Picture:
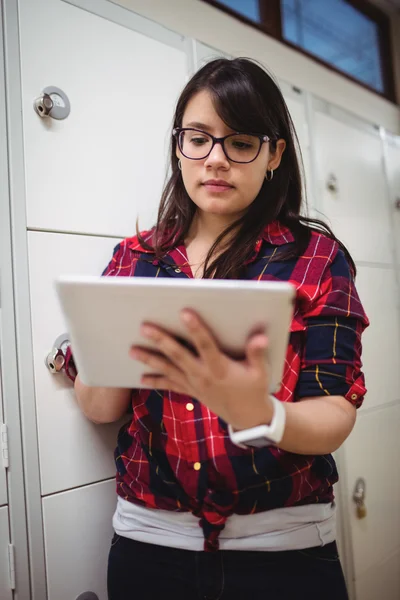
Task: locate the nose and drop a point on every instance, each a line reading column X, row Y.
column 217, row 158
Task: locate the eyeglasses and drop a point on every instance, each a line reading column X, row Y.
column 238, row 147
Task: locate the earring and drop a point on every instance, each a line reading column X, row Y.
column 179, row 165
column 269, row 178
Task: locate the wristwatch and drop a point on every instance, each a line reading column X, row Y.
column 262, row 435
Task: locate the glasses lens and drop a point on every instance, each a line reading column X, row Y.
column 241, row 147
column 195, row 144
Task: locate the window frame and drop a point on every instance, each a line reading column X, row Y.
column 271, row 24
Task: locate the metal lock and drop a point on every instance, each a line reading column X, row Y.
column 52, row 102
column 43, row 105
column 359, row 498
column 87, row 596
column 55, row 359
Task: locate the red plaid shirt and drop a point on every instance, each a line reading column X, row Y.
column 176, row 455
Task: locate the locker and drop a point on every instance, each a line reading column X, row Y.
column 72, row 450
column 5, row 583
column 77, row 533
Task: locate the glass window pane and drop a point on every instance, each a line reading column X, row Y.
column 337, row 33
column 247, row 8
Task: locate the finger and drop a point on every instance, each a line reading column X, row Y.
column 256, row 351
column 159, row 363
column 202, row 339
column 180, row 356
column 159, row 382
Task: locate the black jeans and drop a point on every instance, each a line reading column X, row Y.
column 138, row 571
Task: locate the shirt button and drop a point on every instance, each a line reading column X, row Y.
column 354, row 396
column 177, row 270
column 197, row 466
column 189, row 406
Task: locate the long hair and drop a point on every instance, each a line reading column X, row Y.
column 247, row 99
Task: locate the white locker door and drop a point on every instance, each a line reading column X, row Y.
column 72, row 450
column 5, row 583
column 379, row 292
column 3, row 480
column 77, row 534
column 351, row 161
column 203, row 54
column 295, row 101
column 358, row 210
column 372, row 451
column 104, row 165
column 393, row 165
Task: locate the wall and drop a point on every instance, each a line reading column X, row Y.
column 197, row 19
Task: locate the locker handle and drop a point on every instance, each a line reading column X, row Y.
column 359, row 498
column 55, row 359
column 52, row 102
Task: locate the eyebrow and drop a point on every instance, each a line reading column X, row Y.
column 198, row 125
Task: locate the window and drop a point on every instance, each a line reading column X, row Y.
column 247, row 8
column 349, row 36
column 337, row 33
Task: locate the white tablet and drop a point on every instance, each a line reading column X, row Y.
column 104, row 315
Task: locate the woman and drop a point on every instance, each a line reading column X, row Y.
column 231, row 209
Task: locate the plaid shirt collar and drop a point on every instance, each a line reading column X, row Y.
column 274, row 233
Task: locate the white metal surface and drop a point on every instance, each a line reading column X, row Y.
column 372, row 451
column 203, row 54
column 393, row 167
column 297, row 108
column 15, row 332
column 78, row 532
column 379, row 293
column 73, row 451
column 381, row 581
column 3, row 479
column 5, row 587
column 358, row 211
column 104, row 166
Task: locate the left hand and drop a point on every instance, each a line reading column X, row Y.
column 237, row 391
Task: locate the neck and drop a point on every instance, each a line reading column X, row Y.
column 207, row 228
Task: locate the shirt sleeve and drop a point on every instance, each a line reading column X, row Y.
column 123, row 262
column 114, row 266
column 331, row 357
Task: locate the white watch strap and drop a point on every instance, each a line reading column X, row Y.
column 262, row 435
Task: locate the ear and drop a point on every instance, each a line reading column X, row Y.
column 276, row 157
column 178, row 152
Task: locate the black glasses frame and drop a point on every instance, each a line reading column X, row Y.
column 219, row 140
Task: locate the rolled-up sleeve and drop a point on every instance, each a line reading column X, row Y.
column 331, row 358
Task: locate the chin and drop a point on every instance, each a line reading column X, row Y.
column 219, row 206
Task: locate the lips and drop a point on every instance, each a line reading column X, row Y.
column 217, row 182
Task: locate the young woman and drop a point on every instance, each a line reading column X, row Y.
column 199, row 516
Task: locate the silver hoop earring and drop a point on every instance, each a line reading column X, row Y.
column 179, row 165
column 269, row 178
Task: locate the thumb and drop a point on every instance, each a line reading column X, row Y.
column 256, row 350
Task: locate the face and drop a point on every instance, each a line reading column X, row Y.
column 215, row 184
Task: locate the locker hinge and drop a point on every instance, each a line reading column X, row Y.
column 4, row 445
column 11, row 565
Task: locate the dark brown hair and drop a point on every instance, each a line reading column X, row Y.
column 247, row 99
